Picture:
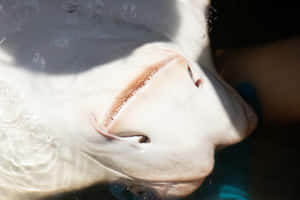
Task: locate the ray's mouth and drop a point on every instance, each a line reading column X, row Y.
column 129, row 92
column 142, row 80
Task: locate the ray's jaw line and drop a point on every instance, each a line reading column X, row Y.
column 126, row 179
column 128, row 93
column 161, row 182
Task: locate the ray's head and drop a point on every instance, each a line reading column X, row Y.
column 163, row 127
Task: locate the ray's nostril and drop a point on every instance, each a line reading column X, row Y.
column 144, row 139
column 198, row 82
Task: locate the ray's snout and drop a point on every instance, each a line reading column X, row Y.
column 183, row 110
column 165, row 69
column 187, row 94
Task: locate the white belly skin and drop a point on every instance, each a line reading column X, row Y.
column 34, row 158
column 60, row 61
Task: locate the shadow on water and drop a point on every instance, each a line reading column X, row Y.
column 71, row 36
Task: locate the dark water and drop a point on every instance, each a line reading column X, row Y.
column 238, row 23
